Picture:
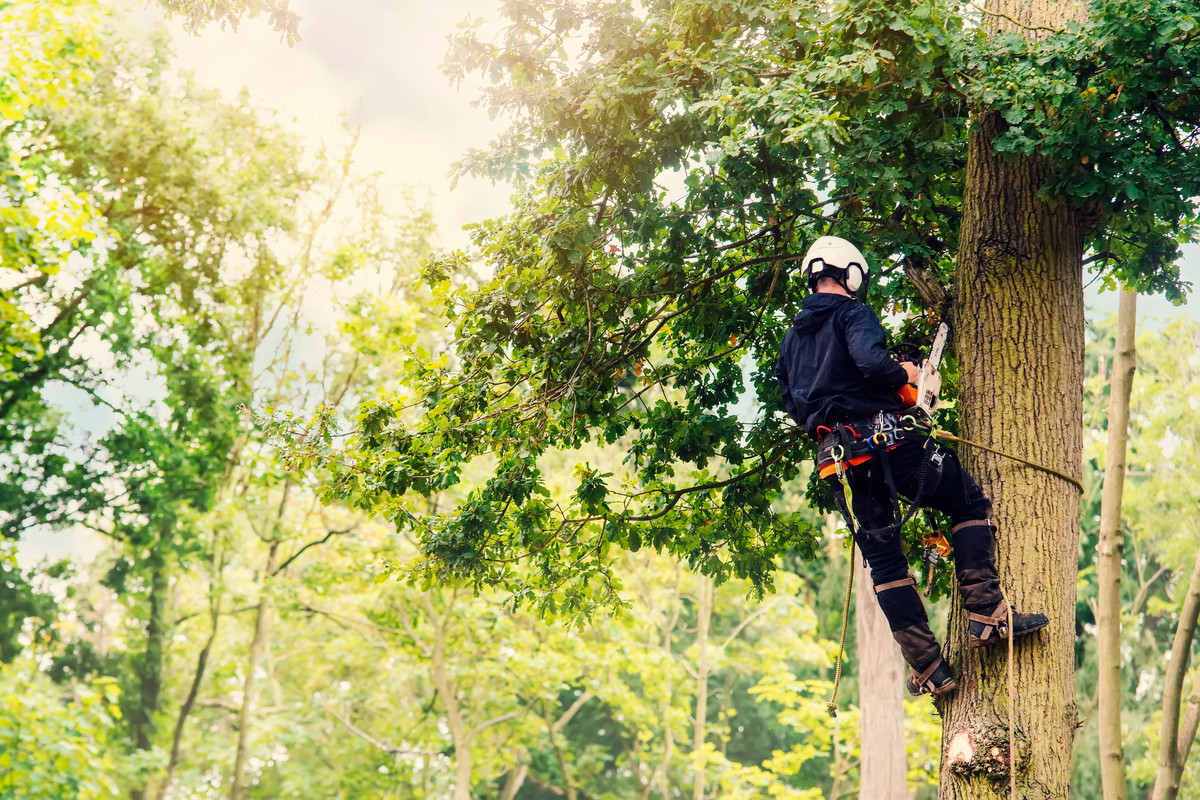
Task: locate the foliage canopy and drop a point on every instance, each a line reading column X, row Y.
column 673, row 159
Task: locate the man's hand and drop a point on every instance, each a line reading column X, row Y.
column 910, row 369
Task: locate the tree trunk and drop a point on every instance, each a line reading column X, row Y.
column 883, row 763
column 516, row 779
column 189, row 702
column 703, row 617
column 1108, row 568
column 440, row 673
column 1175, row 741
column 1018, row 319
column 150, row 671
column 258, row 646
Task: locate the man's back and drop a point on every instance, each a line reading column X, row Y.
column 834, row 365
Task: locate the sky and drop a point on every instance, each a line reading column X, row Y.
column 377, row 63
column 374, row 63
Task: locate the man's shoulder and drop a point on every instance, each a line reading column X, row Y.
column 857, row 311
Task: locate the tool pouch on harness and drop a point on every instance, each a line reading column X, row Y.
column 868, row 442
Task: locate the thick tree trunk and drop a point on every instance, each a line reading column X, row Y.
column 1175, row 740
column 1018, row 319
column 258, row 646
column 883, row 763
column 1108, row 617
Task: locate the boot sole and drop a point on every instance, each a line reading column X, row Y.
column 945, row 688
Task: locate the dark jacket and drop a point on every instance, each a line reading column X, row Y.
column 834, row 365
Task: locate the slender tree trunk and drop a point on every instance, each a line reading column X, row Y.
column 1018, row 318
column 516, row 779
column 445, row 687
column 186, row 709
column 150, row 671
column 1175, row 741
column 883, row 760
column 258, row 646
column 703, row 618
column 1111, row 545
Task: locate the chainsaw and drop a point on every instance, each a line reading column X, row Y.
column 924, row 394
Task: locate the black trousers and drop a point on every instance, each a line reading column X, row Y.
column 955, row 494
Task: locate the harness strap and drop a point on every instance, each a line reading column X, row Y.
column 908, row 580
column 885, row 463
column 972, row 523
column 997, row 620
column 924, row 675
column 930, row 471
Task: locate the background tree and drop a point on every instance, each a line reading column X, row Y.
column 198, row 13
column 1158, row 544
column 674, row 161
column 1108, row 635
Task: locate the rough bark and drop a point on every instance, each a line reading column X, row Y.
column 1175, row 741
column 1018, row 319
column 883, row 763
column 250, row 689
column 703, row 617
column 1111, row 545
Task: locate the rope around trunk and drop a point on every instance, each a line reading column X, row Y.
column 950, row 437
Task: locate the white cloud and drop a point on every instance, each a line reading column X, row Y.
column 369, row 62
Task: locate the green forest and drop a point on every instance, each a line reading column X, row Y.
column 338, row 511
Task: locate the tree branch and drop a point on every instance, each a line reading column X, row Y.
column 315, row 543
column 483, row 726
column 390, row 749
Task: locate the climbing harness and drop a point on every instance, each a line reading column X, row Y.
column 870, row 441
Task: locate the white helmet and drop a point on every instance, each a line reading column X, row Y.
column 834, row 257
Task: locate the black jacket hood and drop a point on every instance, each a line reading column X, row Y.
column 816, row 310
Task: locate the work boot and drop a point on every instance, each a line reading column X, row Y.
column 906, row 617
column 979, row 586
column 934, row 679
column 991, row 627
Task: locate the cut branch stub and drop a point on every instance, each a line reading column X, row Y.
column 972, row 752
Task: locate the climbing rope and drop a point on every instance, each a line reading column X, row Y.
column 950, row 437
column 1012, row 770
column 831, row 706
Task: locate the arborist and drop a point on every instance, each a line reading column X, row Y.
column 841, row 384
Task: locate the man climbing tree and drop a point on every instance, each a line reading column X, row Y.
column 673, row 160
column 839, row 382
